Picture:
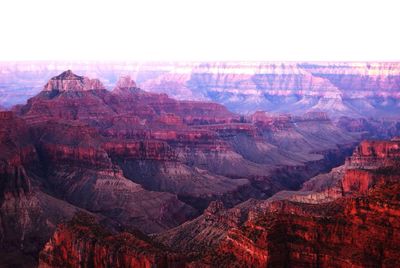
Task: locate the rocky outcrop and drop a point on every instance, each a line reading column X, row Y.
column 84, row 243
column 141, row 150
column 351, row 232
column 68, row 81
column 369, row 156
column 125, row 82
column 375, row 154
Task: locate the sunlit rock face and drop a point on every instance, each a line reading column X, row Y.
column 374, row 154
column 370, row 156
column 84, row 243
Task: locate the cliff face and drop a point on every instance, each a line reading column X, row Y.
column 28, row 215
column 351, row 232
column 83, row 243
column 375, row 154
column 370, row 155
column 348, row 218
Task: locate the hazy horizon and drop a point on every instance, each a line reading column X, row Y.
column 192, row 31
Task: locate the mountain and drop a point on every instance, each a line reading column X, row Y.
column 353, row 89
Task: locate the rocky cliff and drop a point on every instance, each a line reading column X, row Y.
column 84, row 243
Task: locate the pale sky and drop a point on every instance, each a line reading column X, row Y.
column 206, row 30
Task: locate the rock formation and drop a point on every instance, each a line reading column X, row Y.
column 84, row 243
column 68, row 81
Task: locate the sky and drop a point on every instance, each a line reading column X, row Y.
column 204, row 30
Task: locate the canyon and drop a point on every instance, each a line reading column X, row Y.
column 127, row 177
column 357, row 227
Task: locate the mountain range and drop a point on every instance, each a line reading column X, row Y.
column 367, row 89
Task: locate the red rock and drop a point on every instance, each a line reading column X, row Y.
column 379, row 149
column 82, row 242
column 373, row 154
column 170, row 119
column 6, row 115
column 356, row 180
column 233, row 129
column 82, row 156
column 348, row 233
column 271, row 122
column 150, row 150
